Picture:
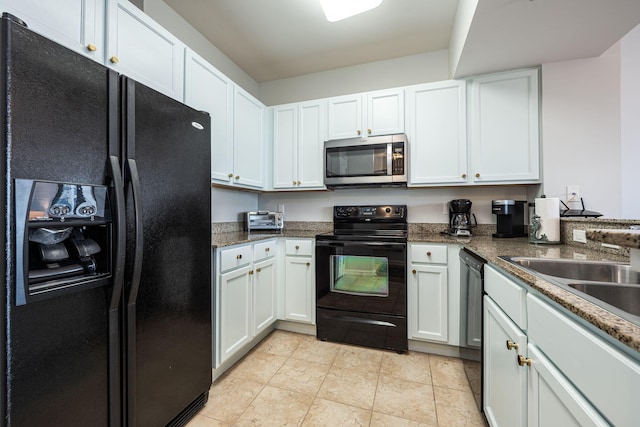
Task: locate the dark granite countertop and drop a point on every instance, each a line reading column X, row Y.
column 627, row 238
column 491, row 249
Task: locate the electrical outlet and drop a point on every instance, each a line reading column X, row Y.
column 573, row 193
column 580, row 236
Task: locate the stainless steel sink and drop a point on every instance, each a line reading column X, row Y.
column 611, row 285
column 594, row 271
column 623, row 296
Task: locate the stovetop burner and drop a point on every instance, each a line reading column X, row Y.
column 386, row 223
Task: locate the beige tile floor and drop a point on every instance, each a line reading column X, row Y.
column 295, row 380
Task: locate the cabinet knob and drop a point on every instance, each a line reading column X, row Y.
column 308, row 264
column 92, row 47
column 524, row 360
column 413, row 271
column 369, row 131
column 294, row 183
column 429, row 253
column 239, row 256
column 297, row 247
column 237, row 176
column 477, row 175
column 251, row 272
column 359, row 132
column 511, row 345
column 230, row 175
column 298, row 182
column 464, row 176
column 258, row 270
column 114, row 60
column 267, row 249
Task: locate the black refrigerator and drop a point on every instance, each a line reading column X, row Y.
column 106, row 308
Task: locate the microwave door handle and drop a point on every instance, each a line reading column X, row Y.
column 389, row 159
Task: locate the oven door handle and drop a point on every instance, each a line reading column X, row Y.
column 351, row 243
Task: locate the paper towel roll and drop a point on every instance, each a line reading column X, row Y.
column 548, row 209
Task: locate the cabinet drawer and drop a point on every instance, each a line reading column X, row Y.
column 607, row 377
column 510, row 296
column 263, row 250
column 434, row 254
column 299, row 247
column 235, row 257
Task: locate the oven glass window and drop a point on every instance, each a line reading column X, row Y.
column 367, row 160
column 360, row 275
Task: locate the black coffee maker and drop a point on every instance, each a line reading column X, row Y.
column 460, row 215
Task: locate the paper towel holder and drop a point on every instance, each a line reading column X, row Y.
column 537, row 230
column 510, row 218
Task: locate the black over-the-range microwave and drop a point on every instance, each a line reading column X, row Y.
column 378, row 161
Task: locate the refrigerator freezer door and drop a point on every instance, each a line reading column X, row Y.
column 55, row 128
column 169, row 301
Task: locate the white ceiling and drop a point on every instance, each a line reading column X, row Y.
column 275, row 39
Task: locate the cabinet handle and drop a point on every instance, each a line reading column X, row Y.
column 524, row 360
column 308, row 264
column 258, row 270
column 464, row 176
column 294, row 183
column 239, row 256
column 267, row 249
column 230, row 175
column 92, row 47
column 297, row 247
column 114, row 60
column 511, row 345
column 251, row 272
column 237, row 176
column 369, row 131
column 298, row 182
column 477, row 175
column 429, row 253
column 359, row 132
column 413, row 271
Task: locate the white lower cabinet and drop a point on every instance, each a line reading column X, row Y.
column 299, row 282
column 245, row 295
column 544, row 368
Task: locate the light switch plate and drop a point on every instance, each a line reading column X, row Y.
column 580, row 236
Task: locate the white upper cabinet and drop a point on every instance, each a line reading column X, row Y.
column 437, row 133
column 141, row 49
column 368, row 114
column 504, row 130
column 209, row 90
column 75, row 24
column 299, row 131
column 248, row 140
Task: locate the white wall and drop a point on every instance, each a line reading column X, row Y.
column 424, row 205
column 581, row 130
column 630, row 123
column 405, row 71
column 228, row 205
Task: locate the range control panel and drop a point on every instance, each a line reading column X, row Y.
column 381, row 212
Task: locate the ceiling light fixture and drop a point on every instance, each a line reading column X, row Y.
column 336, row 10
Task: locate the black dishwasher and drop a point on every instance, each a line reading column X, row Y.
column 471, row 291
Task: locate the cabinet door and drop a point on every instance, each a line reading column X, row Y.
column 553, row 400
column 437, row 133
column 299, row 298
column 141, row 49
column 248, row 139
column 209, row 90
column 345, row 117
column 264, row 295
column 504, row 127
column 504, row 382
column 428, row 296
column 385, row 112
column 312, row 132
column 234, row 309
column 285, row 146
column 75, row 24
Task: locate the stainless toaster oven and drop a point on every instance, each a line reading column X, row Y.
column 264, row 220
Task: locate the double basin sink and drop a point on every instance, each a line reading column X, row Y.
column 614, row 286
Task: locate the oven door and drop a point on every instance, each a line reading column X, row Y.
column 362, row 276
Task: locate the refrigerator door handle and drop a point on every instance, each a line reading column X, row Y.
column 120, row 232
column 138, row 253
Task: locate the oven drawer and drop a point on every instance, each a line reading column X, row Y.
column 432, row 254
column 299, row 247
